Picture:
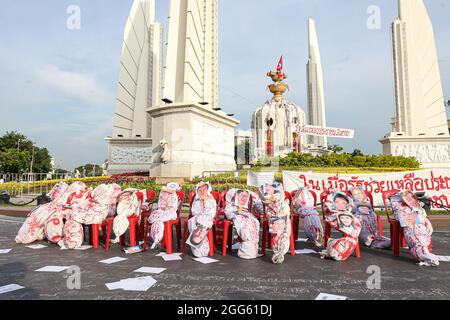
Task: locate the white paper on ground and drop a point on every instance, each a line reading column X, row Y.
column 302, row 240
column 9, row 288
column 36, row 246
column 327, row 296
column 444, row 258
column 205, row 260
column 113, row 260
column 5, row 250
column 150, row 270
column 132, row 284
column 172, row 257
column 163, row 254
column 84, row 247
column 305, row 251
column 52, row 269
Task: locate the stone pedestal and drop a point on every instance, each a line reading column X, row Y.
column 129, row 155
column 199, row 139
column 432, row 152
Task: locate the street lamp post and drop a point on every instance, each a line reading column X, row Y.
column 32, row 160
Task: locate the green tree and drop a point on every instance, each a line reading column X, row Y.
column 357, row 153
column 17, row 151
column 336, row 148
column 91, row 170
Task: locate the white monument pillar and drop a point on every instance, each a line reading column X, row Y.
column 139, row 86
column 419, row 127
column 316, row 97
column 195, row 134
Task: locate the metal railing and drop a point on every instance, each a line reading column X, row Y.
column 29, row 185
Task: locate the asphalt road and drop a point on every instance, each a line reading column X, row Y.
column 299, row 277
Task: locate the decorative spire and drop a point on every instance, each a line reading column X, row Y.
column 278, row 88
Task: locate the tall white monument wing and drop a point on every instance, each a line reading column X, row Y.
column 191, row 68
column 139, row 84
column 420, row 108
column 316, row 97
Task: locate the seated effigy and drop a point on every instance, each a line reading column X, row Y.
column 363, row 209
column 278, row 213
column 338, row 208
column 166, row 211
column 416, row 226
column 204, row 208
column 304, row 206
column 61, row 221
column 239, row 210
column 129, row 203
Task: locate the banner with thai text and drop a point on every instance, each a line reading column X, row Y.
column 434, row 182
column 327, row 132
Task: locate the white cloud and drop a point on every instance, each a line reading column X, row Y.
column 84, row 87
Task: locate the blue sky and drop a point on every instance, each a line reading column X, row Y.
column 57, row 86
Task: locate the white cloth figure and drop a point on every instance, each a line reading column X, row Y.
column 166, row 211
column 204, row 209
column 245, row 223
column 304, row 206
column 364, row 211
column 34, row 225
column 129, row 204
column 338, row 213
column 278, row 213
column 416, row 226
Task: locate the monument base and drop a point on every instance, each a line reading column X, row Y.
column 199, row 139
column 126, row 155
column 432, row 152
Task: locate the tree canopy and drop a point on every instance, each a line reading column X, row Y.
column 17, row 154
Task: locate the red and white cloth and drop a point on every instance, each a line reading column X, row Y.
column 338, row 213
column 204, row 209
column 35, row 225
column 245, row 223
column 129, row 204
column 304, row 206
column 278, row 213
column 416, row 227
column 166, row 211
column 363, row 209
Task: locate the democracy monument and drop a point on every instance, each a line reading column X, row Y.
column 419, row 127
column 168, row 119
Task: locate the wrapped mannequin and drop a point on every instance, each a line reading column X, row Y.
column 416, row 226
column 338, row 213
column 278, row 213
column 363, row 210
column 166, row 211
column 39, row 220
column 247, row 226
column 129, row 203
column 204, row 209
column 305, row 207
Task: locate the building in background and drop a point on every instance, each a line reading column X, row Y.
column 420, row 125
column 315, row 90
column 139, row 86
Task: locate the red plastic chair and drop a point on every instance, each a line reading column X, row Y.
column 151, row 199
column 228, row 228
column 168, row 227
column 106, row 227
column 211, row 237
column 295, row 217
column 397, row 235
column 323, row 196
column 219, row 225
column 267, row 238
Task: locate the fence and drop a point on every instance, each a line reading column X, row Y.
column 29, row 185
